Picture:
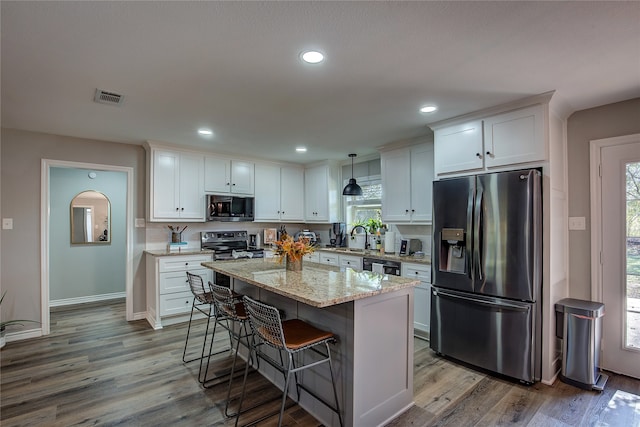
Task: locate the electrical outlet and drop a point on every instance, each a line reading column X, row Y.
column 140, row 222
column 7, row 223
column 577, row 223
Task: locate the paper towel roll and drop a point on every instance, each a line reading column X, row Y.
column 389, row 242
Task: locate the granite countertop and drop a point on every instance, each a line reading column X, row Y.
column 317, row 285
column 186, row 251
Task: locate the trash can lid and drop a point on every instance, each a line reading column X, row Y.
column 580, row 307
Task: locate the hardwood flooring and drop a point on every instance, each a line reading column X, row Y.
column 97, row 369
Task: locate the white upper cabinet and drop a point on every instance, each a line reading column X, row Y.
column 223, row 176
column 515, row 137
column 510, row 138
column 176, row 181
column 407, row 176
column 279, row 193
column 459, row 148
column 322, row 200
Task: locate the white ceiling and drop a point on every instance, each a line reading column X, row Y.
column 234, row 67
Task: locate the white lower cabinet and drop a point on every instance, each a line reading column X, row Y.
column 329, row 258
column 168, row 291
column 421, row 296
column 350, row 261
column 312, row 257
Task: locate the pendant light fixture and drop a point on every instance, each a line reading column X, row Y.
column 352, row 189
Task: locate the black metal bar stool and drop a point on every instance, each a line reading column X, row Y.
column 292, row 337
column 230, row 314
column 202, row 302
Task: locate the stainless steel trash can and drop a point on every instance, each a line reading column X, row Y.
column 579, row 325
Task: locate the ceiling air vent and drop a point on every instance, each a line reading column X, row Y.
column 104, row 97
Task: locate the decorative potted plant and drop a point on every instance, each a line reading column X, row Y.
column 292, row 251
column 3, row 325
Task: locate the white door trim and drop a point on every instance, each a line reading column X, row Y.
column 595, row 147
column 45, row 200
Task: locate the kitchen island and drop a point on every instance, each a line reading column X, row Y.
column 372, row 316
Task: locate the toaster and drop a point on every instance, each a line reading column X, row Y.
column 410, row 246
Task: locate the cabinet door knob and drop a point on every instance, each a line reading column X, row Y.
column 488, row 153
column 234, row 184
column 478, row 155
column 406, row 211
column 181, row 209
column 227, row 183
column 177, row 209
column 413, row 210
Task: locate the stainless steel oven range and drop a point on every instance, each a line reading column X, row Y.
column 228, row 245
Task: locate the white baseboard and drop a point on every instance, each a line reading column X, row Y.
column 23, row 335
column 90, row 298
column 140, row 316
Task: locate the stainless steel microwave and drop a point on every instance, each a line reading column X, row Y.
column 230, row 208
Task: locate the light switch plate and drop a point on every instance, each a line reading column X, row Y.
column 577, row 223
column 7, row 223
column 140, row 222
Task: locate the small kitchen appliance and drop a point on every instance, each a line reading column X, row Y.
column 338, row 231
column 311, row 235
column 410, row 246
column 229, row 208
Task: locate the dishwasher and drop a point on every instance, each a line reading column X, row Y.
column 383, row 266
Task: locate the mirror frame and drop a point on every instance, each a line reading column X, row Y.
column 73, row 205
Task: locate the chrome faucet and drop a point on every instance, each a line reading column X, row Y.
column 366, row 235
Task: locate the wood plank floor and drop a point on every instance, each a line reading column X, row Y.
column 97, row 369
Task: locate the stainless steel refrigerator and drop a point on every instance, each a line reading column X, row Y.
column 487, row 271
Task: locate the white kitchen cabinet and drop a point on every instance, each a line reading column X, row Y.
column 168, row 291
column 224, row 176
column 515, row 137
column 495, row 141
column 329, row 258
column 407, row 176
column 459, row 148
column 176, row 186
column 312, row 257
column 350, row 261
column 421, row 296
column 279, row 193
column 321, row 194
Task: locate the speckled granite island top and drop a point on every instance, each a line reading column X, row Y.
column 317, row 285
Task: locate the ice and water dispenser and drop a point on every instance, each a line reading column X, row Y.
column 452, row 250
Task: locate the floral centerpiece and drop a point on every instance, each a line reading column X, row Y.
column 292, row 251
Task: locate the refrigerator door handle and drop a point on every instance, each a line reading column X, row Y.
column 477, row 234
column 506, row 305
column 469, row 241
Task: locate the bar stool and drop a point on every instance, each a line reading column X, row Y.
column 203, row 302
column 230, row 313
column 293, row 337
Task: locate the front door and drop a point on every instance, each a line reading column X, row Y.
column 620, row 231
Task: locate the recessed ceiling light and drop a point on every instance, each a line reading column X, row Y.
column 312, row 56
column 205, row 132
column 428, row 109
column 301, row 149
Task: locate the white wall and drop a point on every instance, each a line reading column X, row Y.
column 86, row 270
column 621, row 118
column 21, row 156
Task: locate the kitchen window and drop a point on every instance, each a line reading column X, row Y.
column 369, row 205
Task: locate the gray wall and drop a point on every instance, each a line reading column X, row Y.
column 21, row 155
column 88, row 269
column 622, row 118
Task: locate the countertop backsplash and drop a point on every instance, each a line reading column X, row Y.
column 158, row 234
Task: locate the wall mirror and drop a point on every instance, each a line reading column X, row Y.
column 90, row 219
